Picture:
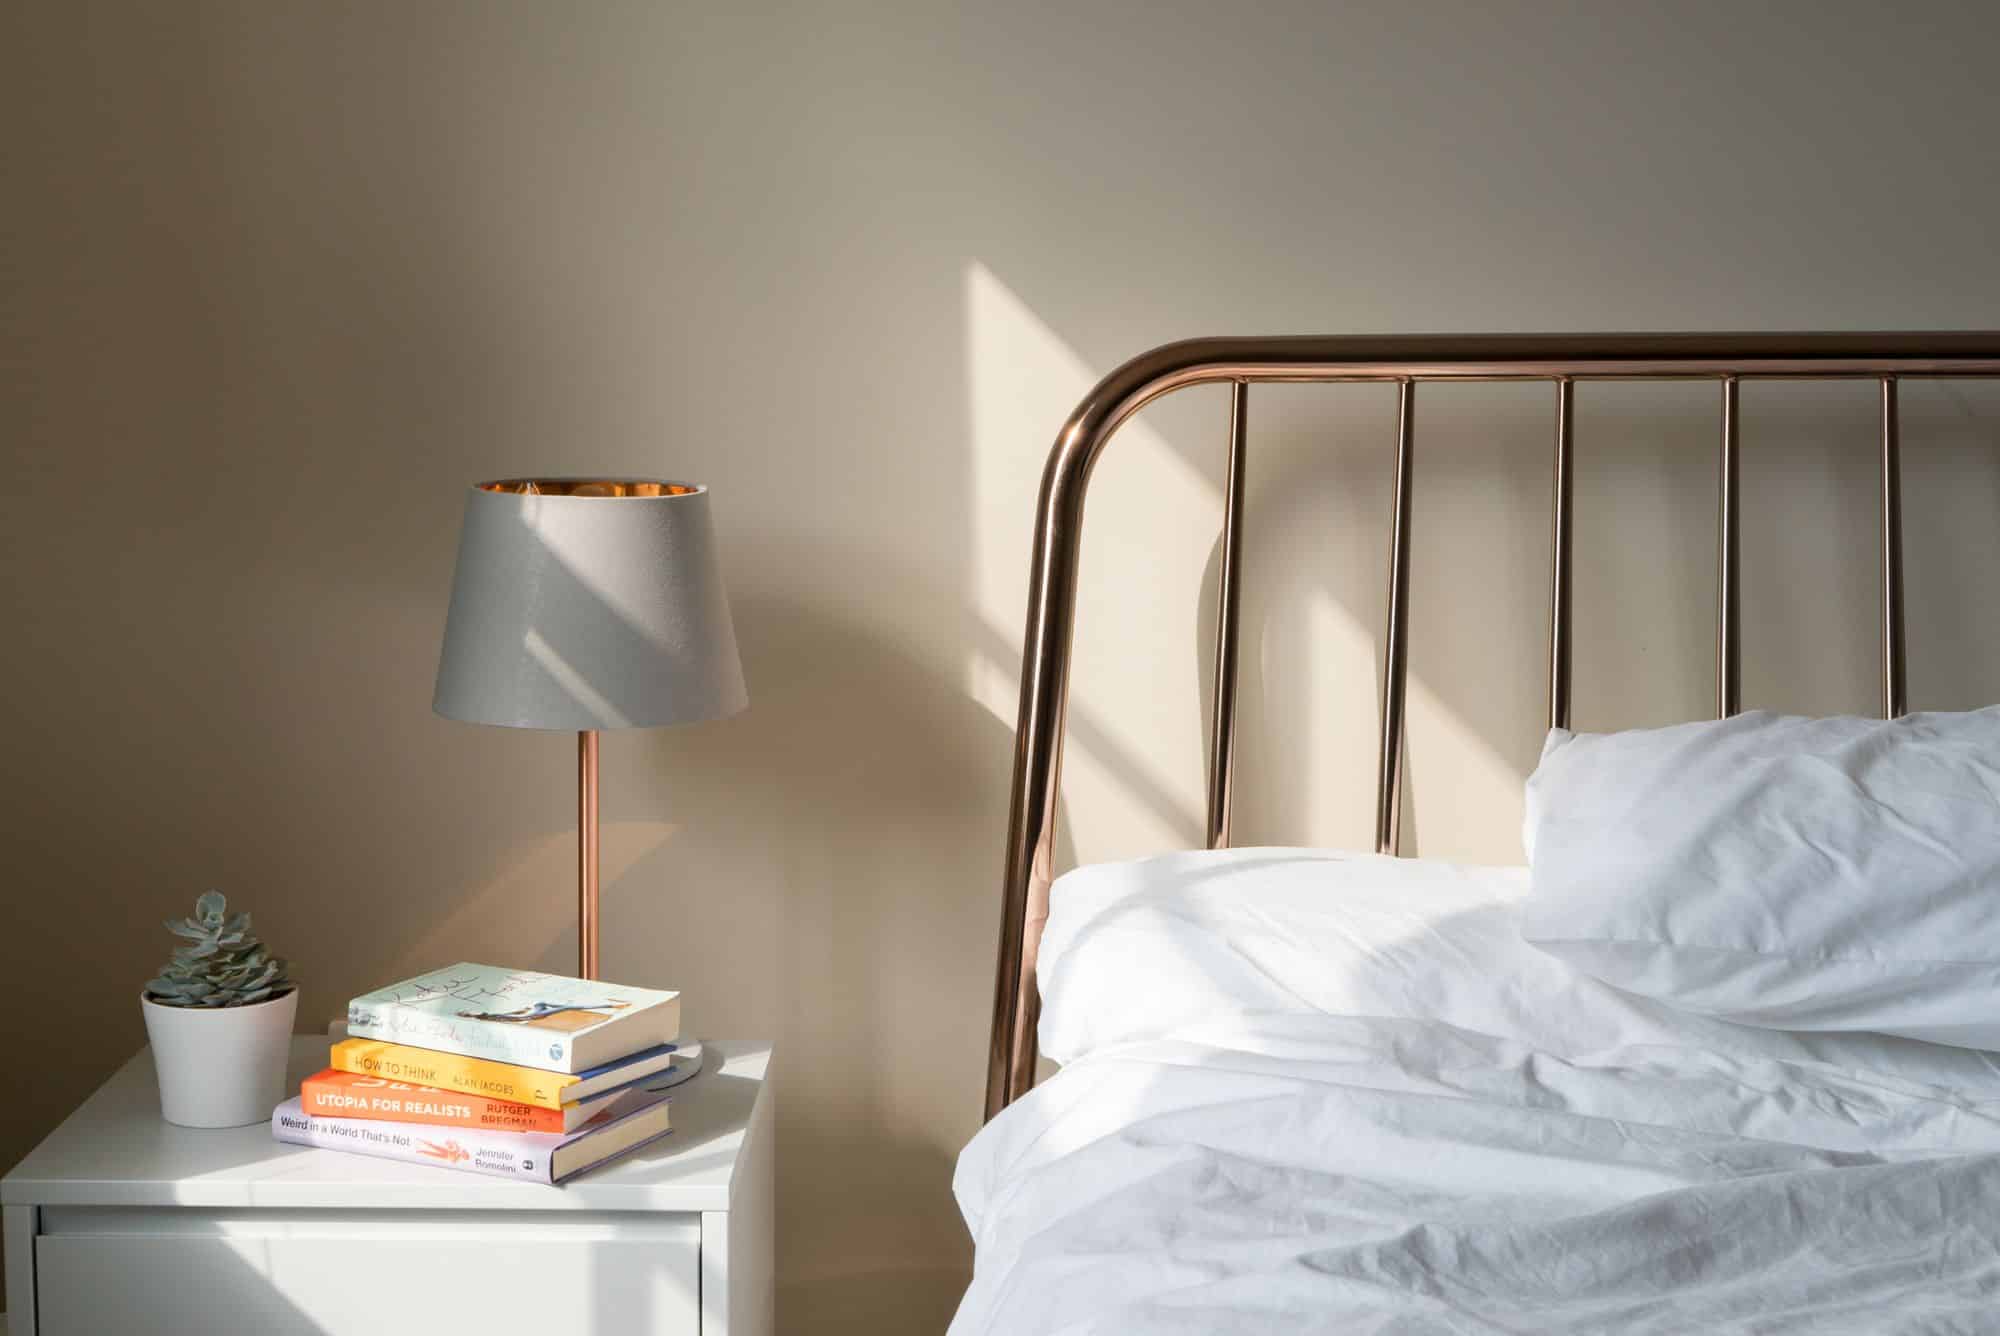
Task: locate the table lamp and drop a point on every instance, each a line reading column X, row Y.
column 583, row 604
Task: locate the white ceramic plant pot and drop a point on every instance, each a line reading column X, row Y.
column 221, row 1066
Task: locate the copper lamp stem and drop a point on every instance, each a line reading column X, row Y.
column 586, row 853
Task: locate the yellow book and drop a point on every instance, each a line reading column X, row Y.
column 495, row 1080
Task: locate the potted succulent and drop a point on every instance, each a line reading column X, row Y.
column 219, row 1017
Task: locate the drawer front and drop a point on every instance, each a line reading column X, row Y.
column 335, row 1273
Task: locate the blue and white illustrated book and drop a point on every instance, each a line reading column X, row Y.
column 524, row 1017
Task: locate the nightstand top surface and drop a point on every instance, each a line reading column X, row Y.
column 116, row 1150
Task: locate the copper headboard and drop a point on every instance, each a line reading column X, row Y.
column 1563, row 359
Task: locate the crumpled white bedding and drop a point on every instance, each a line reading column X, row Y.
column 1279, row 1167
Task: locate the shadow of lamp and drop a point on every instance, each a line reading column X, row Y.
column 582, row 604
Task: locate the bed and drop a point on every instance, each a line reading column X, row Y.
column 1306, row 1090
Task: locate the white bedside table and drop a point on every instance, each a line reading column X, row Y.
column 120, row 1222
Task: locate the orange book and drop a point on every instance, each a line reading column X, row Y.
column 338, row 1094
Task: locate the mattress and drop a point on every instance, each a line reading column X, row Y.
column 1305, row 1091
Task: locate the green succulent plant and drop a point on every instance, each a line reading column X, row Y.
column 221, row 964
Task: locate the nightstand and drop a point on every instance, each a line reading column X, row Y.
column 121, row 1222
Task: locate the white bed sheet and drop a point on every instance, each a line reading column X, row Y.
column 1272, row 1164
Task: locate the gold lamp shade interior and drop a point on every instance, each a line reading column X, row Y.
column 588, row 487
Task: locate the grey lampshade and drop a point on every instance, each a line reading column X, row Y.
column 588, row 604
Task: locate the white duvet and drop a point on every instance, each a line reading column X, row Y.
column 1308, row 1092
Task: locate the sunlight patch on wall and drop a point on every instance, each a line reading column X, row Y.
column 1329, row 737
column 1133, row 764
column 1135, row 755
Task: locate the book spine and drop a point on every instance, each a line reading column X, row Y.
column 451, row 1071
column 519, row 1045
column 501, row 1154
column 381, row 1100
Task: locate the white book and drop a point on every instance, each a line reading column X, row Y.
column 523, row 1017
column 630, row 1121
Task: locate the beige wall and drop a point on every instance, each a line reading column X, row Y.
column 281, row 279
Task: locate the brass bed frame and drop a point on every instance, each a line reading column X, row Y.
column 1563, row 359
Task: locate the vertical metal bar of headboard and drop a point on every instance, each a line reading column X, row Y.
column 1728, row 646
column 1395, row 649
column 1895, row 686
column 1559, row 543
column 1228, row 599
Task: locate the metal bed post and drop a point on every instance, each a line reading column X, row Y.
column 1895, row 691
column 1396, row 636
column 1728, row 635
column 1228, row 600
column 1559, row 544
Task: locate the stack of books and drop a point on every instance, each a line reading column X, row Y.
column 509, row 1072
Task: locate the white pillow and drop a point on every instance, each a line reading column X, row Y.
column 1804, row 874
column 1185, row 945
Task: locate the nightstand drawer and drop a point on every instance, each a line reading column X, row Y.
column 329, row 1273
